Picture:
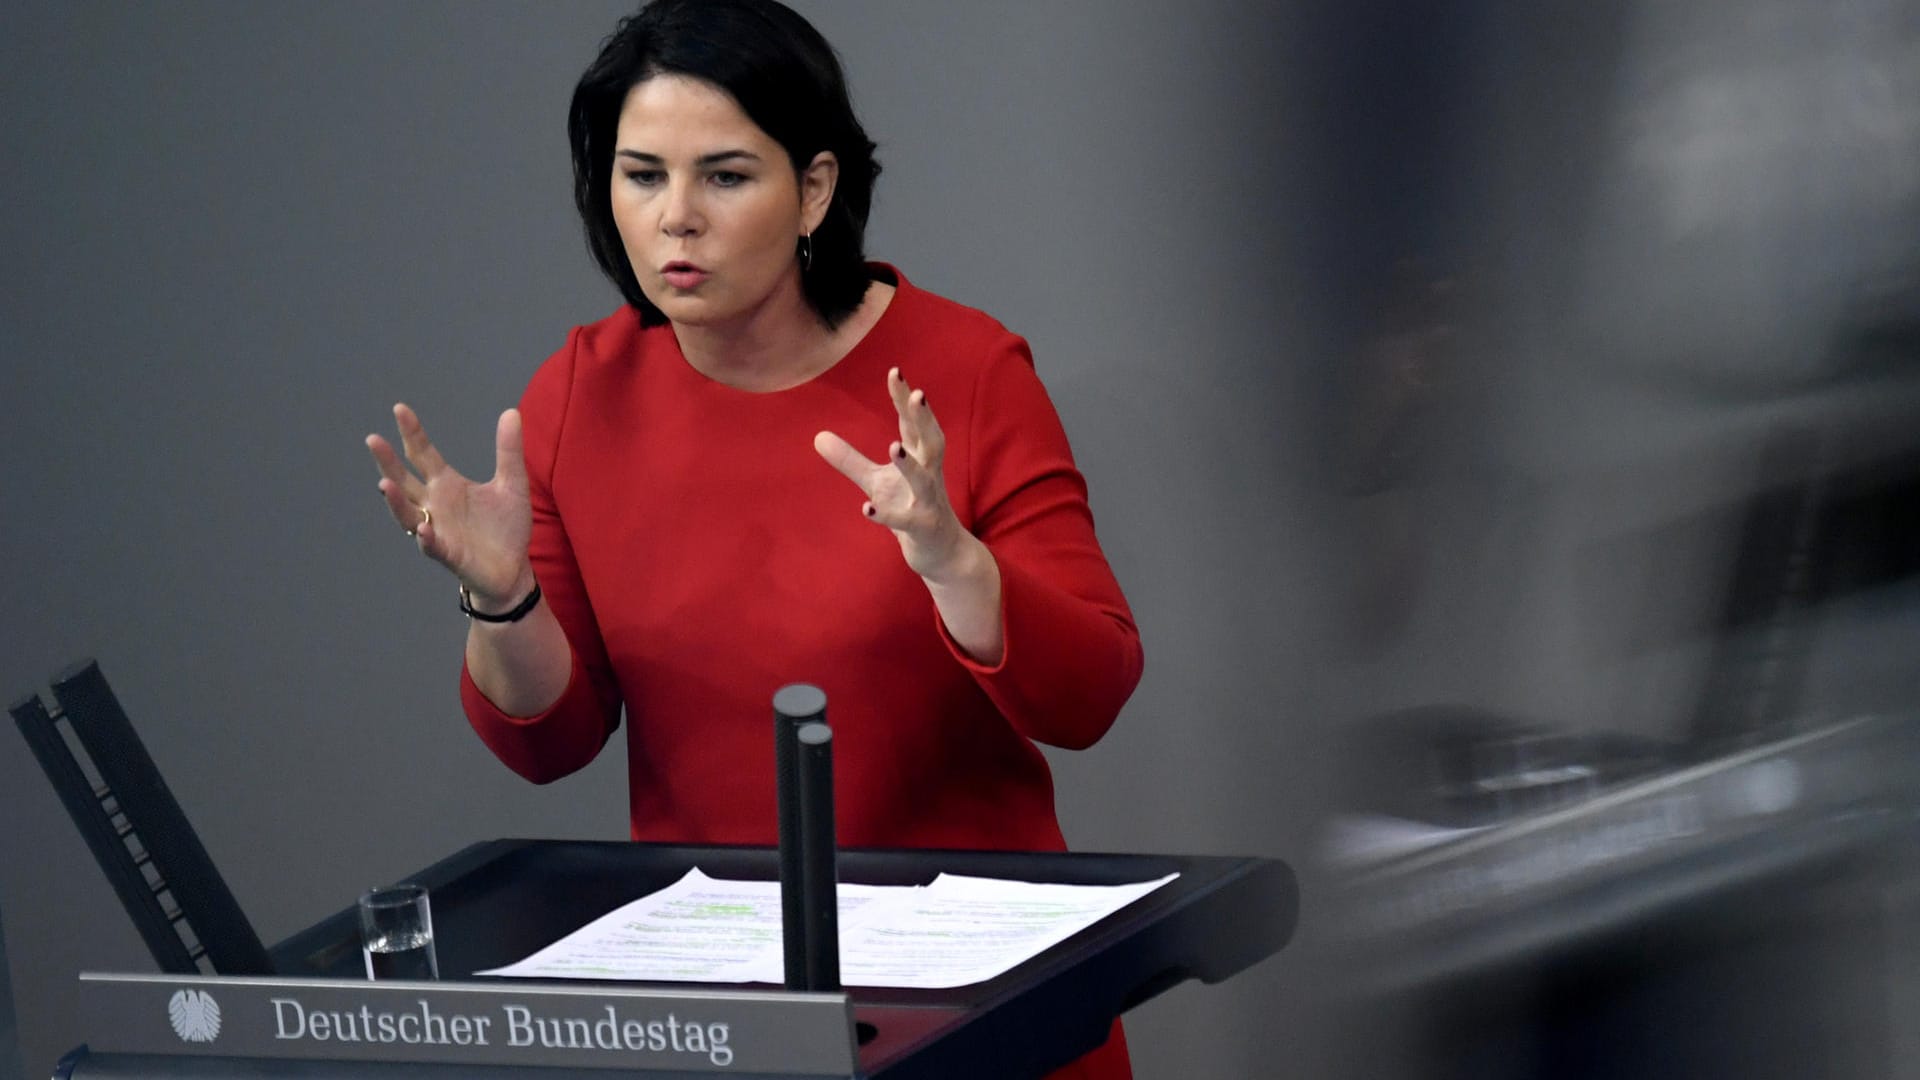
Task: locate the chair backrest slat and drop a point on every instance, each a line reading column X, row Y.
column 109, row 850
column 143, row 842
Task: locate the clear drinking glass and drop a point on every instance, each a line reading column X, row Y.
column 396, row 933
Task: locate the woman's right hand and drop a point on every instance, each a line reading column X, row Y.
column 478, row 531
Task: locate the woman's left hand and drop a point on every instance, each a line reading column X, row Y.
column 908, row 492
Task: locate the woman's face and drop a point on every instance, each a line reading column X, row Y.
column 708, row 205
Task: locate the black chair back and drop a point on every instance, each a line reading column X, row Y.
column 137, row 831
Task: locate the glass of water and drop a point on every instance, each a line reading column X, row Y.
column 396, row 933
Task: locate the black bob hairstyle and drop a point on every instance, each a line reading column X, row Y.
column 787, row 80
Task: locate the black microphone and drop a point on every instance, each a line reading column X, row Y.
column 819, row 893
column 794, row 706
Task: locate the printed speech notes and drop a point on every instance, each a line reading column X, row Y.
column 952, row 932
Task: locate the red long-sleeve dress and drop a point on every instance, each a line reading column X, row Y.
column 700, row 555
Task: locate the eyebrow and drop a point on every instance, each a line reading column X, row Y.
column 703, row 160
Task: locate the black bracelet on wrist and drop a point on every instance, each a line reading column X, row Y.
column 519, row 611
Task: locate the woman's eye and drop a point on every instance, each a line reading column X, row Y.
column 729, row 179
column 645, row 177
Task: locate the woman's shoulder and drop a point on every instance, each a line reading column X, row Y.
column 615, row 337
column 594, row 349
column 929, row 320
column 588, row 365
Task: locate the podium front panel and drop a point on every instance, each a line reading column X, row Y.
column 499, row 901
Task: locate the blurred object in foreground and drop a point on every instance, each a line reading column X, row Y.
column 1753, row 916
column 1626, row 453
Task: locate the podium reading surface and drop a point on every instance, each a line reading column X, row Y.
column 499, row 901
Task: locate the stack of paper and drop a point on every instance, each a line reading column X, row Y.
column 955, row 931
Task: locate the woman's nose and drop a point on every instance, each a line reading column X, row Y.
column 680, row 212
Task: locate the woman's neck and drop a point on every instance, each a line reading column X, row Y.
column 778, row 345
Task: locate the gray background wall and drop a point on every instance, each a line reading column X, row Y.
column 9, row 1031
column 235, row 233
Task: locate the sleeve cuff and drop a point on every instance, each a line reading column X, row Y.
column 481, row 709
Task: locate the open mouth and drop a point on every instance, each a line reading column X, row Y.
column 681, row 274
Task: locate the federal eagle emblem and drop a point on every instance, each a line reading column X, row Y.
column 195, row 1016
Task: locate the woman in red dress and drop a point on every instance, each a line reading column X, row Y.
column 684, row 515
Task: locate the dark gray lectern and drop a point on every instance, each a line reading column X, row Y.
column 499, row 901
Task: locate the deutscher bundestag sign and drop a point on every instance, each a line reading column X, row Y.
column 487, row 1023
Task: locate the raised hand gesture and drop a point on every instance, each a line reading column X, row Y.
column 907, row 493
column 478, row 531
